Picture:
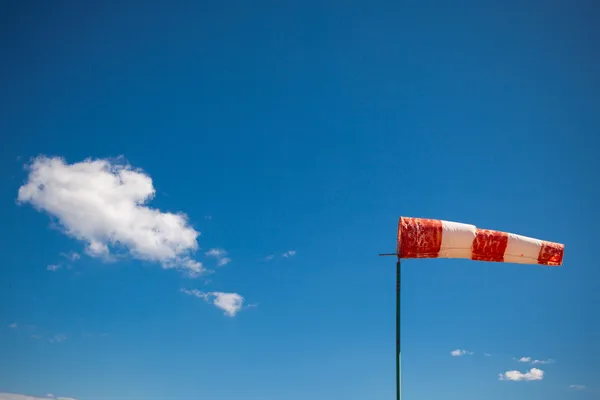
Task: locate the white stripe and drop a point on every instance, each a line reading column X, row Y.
column 457, row 240
column 522, row 249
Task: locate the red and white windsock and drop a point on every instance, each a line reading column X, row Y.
column 431, row 238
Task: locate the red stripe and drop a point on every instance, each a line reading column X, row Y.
column 489, row 245
column 419, row 237
column 551, row 254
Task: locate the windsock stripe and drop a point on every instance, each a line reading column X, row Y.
column 429, row 238
column 551, row 254
column 522, row 249
column 489, row 245
column 457, row 240
column 420, row 238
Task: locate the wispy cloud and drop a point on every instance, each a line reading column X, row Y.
column 103, row 204
column 532, row 361
column 286, row 254
column 59, row 338
column 534, row 374
column 459, row 353
column 289, row 253
column 53, row 267
column 72, row 256
column 35, row 333
column 220, row 255
column 231, row 303
column 487, row 354
column 577, row 387
column 550, row 361
column 15, row 396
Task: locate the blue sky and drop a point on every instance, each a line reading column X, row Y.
column 303, row 127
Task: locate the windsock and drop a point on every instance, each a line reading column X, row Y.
column 432, row 238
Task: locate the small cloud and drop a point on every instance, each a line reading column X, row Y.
column 58, row 338
column 487, row 354
column 14, row 325
column 577, row 387
column 220, row 255
column 53, row 267
column 534, row 374
column 289, row 253
column 194, row 268
column 224, row 261
column 532, row 361
column 215, row 253
column 459, row 353
column 269, row 257
column 208, row 217
column 231, row 303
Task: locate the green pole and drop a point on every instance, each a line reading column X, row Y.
column 398, row 350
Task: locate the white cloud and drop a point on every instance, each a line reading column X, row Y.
column 103, row 204
column 289, row 253
column 53, row 267
column 14, row 325
column 220, row 255
column 231, row 303
column 269, row 257
column 577, row 387
column 532, row 361
column 197, row 293
column 459, row 352
column 533, row 374
column 15, row 396
column 487, row 354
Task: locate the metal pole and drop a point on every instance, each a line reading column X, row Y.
column 398, row 310
column 398, row 349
